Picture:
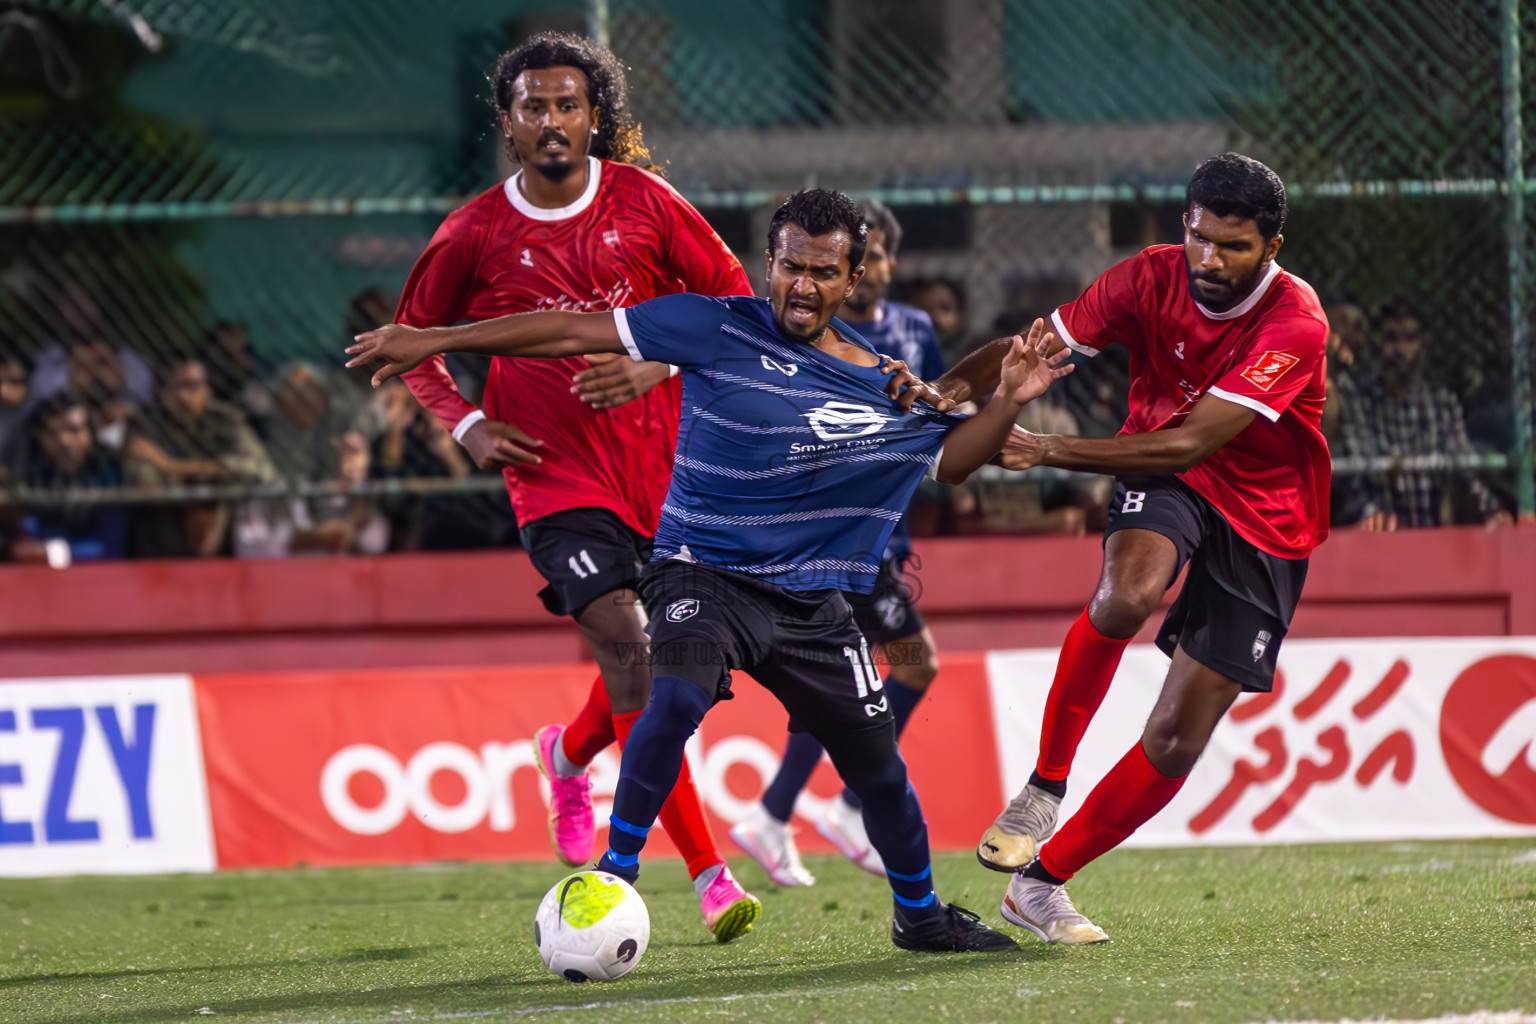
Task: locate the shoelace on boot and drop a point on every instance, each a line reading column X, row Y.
column 1029, row 815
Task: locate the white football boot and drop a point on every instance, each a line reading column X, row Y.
column 771, row 843
column 843, row 827
column 1047, row 910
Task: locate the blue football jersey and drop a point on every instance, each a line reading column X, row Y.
column 905, row 333
column 792, row 465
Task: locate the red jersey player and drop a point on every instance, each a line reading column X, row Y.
column 1221, row 464
column 580, row 227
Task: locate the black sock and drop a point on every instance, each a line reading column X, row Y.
column 1055, row 787
column 1039, row 874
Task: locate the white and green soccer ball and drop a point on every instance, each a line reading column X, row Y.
column 592, row 926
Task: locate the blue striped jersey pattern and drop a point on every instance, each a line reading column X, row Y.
column 792, row 465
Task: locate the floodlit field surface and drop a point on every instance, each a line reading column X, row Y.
column 1400, row 931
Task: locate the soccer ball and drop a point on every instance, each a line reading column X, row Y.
column 592, row 926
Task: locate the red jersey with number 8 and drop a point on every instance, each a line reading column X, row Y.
column 628, row 238
column 1271, row 481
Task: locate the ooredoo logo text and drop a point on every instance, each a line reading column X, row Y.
column 1488, row 735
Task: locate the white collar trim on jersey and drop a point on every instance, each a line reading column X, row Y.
column 1251, row 301
column 521, row 204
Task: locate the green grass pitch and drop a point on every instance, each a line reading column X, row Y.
column 1401, row 931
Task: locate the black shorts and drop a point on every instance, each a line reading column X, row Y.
column 584, row 553
column 1237, row 601
column 802, row 646
column 889, row 611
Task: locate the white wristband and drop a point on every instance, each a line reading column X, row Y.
column 467, row 422
column 673, row 369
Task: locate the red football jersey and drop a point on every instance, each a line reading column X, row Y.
column 1271, row 481
column 630, row 237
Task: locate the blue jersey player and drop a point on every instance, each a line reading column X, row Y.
column 793, row 466
column 887, row 616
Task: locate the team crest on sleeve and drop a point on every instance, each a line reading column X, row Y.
column 1269, row 368
column 687, row 608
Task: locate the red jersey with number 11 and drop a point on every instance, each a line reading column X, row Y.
column 628, row 238
column 1271, row 481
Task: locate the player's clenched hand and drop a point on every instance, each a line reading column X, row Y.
column 400, row 348
column 494, row 445
column 1027, row 371
column 1022, row 450
column 614, row 379
column 905, row 387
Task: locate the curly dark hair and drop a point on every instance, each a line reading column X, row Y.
column 618, row 133
column 821, row 211
column 1235, row 184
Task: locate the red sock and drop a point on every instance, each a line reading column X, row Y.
column 592, row 728
column 1130, row 794
column 1083, row 673
column 682, row 815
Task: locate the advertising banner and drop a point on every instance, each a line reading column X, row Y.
column 101, row 776
column 430, row 764
column 1360, row 740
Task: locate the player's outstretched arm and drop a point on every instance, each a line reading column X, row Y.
column 978, row 373
column 545, row 334
column 1024, row 375
column 1212, row 423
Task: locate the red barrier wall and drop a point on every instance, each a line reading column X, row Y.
column 481, row 607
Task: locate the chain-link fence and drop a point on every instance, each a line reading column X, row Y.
column 229, row 189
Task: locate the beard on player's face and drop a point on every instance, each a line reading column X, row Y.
column 552, row 155
column 1220, row 290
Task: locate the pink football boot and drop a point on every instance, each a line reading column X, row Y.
column 571, row 831
column 729, row 910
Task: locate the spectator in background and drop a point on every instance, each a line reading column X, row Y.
column 235, row 373
column 63, row 454
column 412, row 443
column 98, row 374
column 1355, row 496
column 1407, row 417
column 308, row 446
column 1036, row 501
column 113, row 378
column 1348, row 333
column 13, row 400
column 944, row 302
column 1096, row 392
column 189, row 437
column 350, row 391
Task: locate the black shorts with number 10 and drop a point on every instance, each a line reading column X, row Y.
column 1237, row 602
column 802, row 646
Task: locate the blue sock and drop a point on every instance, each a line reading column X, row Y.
column 896, row 828
column 801, row 755
column 903, row 699
column 652, row 758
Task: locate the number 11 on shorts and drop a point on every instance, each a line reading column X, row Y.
column 865, row 676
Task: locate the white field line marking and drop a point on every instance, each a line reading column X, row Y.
column 638, row 1004
column 1476, row 1017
